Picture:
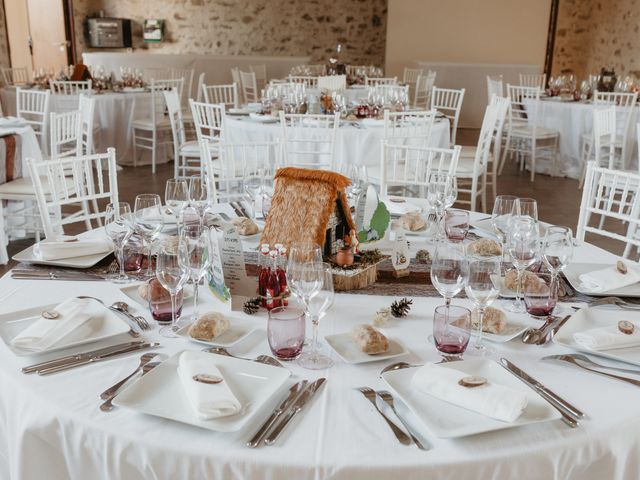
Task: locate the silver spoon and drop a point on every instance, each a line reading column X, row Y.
column 397, row 366
column 124, row 308
column 534, row 335
column 144, row 359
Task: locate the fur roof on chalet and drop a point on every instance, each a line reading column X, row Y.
column 302, row 204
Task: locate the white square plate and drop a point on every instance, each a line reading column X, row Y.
column 238, row 331
column 516, row 324
column 574, row 270
column 85, row 261
column 446, row 420
column 131, row 291
column 347, row 350
column 587, row 318
column 103, row 324
column 486, row 225
column 160, row 392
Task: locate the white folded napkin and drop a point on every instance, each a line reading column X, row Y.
column 208, row 401
column 44, row 333
column 7, row 122
column 491, row 399
column 59, row 249
column 607, row 338
column 399, row 208
column 610, row 278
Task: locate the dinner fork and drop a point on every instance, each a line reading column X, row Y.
column 388, row 399
column 614, row 301
column 370, row 395
column 573, row 360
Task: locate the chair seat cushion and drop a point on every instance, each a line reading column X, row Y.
column 465, row 167
column 190, row 148
column 24, row 186
column 468, row 151
column 541, row 132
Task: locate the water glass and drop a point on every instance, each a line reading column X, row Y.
column 286, row 332
column 176, row 195
column 541, row 296
column 501, row 217
column 523, row 246
column 172, row 273
column 160, row 303
column 149, row 221
column 482, row 289
column 557, row 251
column 456, row 224
column 449, row 270
column 196, row 240
column 118, row 225
column 526, row 207
column 198, row 196
column 451, row 330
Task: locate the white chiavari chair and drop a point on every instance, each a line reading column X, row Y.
column 449, row 103
column 533, row 80
column 208, row 120
column 423, row 89
column 332, row 83
column 249, row 86
column 525, row 136
column 148, row 130
column 408, row 128
column 307, row 81
column 226, row 94
column 406, row 168
column 15, row 76
column 89, row 131
column 199, row 90
column 309, row 140
column 66, row 134
column 93, row 178
column 375, row 81
column 33, row 107
column 260, row 72
column 611, row 195
column 186, row 92
column 186, row 154
column 156, row 73
column 235, row 78
column 66, row 87
column 410, row 77
column 495, row 87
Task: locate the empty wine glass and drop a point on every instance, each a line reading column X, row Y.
column 118, row 225
column 526, row 207
column 557, row 251
column 198, row 196
column 196, row 239
column 148, row 223
column 523, row 245
column 439, row 190
column 172, row 272
column 253, row 187
column 449, row 270
column 501, row 217
column 318, row 306
column 176, row 195
column 482, row 289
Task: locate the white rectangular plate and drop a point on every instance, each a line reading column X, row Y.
column 574, row 270
column 587, row 318
column 102, row 325
column 446, row 420
column 131, row 291
column 347, row 350
column 516, row 324
column 485, row 224
column 86, row 261
column 160, row 392
column 238, row 331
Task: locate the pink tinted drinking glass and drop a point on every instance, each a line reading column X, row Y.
column 540, row 294
column 456, row 224
column 451, row 330
column 285, row 332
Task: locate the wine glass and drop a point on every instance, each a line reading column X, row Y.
column 557, row 251
column 451, row 332
column 501, row 217
column 198, row 196
column 481, row 288
column 118, row 225
column 176, row 195
column 149, row 221
column 526, row 207
column 317, row 308
column 253, row 187
column 439, row 190
column 172, row 272
column 523, row 245
column 196, row 240
column 449, row 270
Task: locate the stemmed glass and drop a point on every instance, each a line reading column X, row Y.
column 449, row 270
column 501, row 217
column 526, row 207
column 557, row 251
column 438, row 193
column 172, row 272
column 118, row 225
column 522, row 244
column 481, row 288
column 198, row 196
column 196, row 240
column 176, row 195
column 317, row 308
column 149, row 221
column 253, row 188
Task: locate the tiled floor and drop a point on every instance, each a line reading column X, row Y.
column 558, row 198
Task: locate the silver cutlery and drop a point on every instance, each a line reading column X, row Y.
column 370, row 395
column 56, row 276
column 397, row 366
column 266, row 359
column 236, row 209
column 617, row 301
column 584, row 358
column 78, row 356
column 144, row 359
column 48, row 273
column 107, row 405
column 141, row 321
column 570, row 414
column 294, row 392
column 295, row 409
column 552, row 332
column 131, row 321
column 533, row 335
column 575, row 361
column 388, row 399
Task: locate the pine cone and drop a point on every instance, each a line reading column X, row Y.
column 400, row 308
column 251, row 306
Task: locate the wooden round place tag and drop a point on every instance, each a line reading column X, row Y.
column 626, row 327
column 206, row 378
column 50, row 314
column 472, row 381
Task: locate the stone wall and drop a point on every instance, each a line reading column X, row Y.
column 254, row 27
column 592, row 34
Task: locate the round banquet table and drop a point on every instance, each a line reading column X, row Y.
column 114, row 114
column 51, row 426
column 354, row 144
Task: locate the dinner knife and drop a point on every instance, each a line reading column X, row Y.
column 236, row 209
column 39, row 271
column 561, row 404
column 294, row 392
column 78, row 356
column 96, row 358
column 55, row 276
column 296, row 408
column 242, row 209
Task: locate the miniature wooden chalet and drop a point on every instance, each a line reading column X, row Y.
column 309, row 205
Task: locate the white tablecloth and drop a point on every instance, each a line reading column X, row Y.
column 114, row 113
column 51, row 427
column 354, row 145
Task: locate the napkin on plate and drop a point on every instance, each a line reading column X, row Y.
column 59, row 249
column 399, row 207
column 610, row 278
column 607, row 338
column 44, row 333
column 491, row 399
column 208, row 401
